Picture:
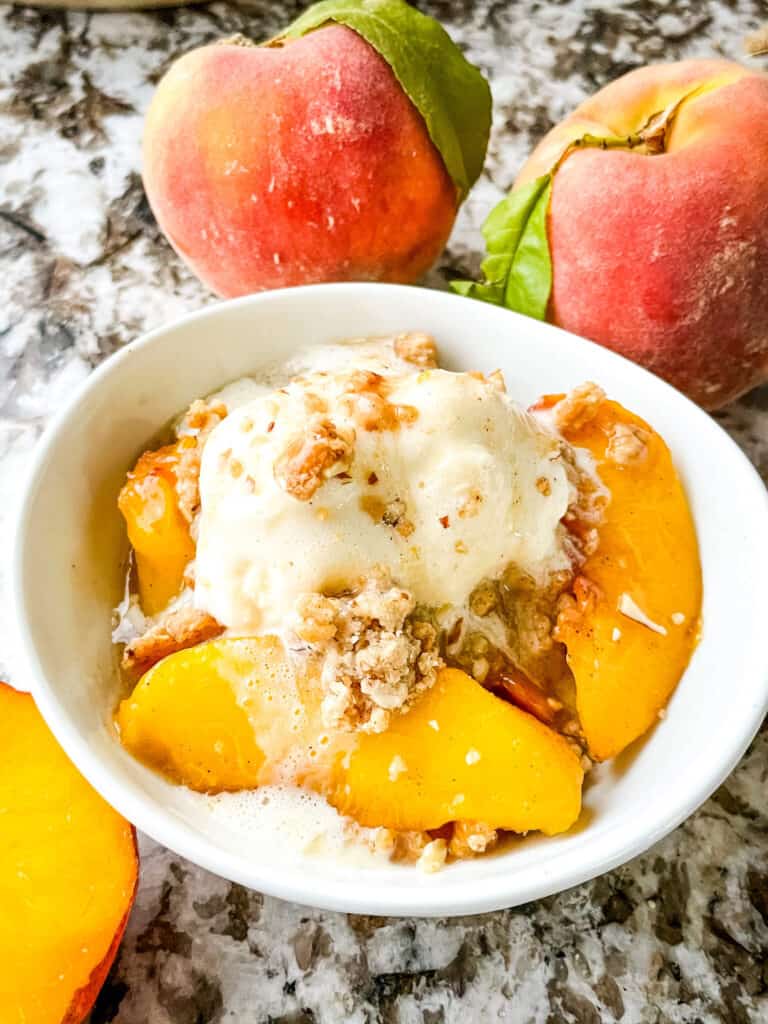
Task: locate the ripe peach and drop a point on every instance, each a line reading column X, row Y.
column 269, row 166
column 664, row 258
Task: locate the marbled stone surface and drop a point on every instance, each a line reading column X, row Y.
column 678, row 935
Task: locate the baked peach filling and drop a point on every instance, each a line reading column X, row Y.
column 393, row 588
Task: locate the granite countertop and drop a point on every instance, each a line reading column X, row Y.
column 678, row 935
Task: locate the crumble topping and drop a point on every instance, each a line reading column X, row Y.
column 185, row 627
column 365, row 397
column 578, row 407
column 578, row 604
column 585, row 512
column 319, row 452
column 376, row 657
column 418, row 348
column 392, row 513
column 433, row 856
column 197, row 423
column 628, row 443
column 470, row 838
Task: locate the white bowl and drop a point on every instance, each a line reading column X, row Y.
column 71, row 548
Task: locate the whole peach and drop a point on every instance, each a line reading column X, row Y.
column 664, row 258
column 269, row 166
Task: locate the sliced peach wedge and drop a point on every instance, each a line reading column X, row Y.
column 157, row 530
column 637, row 628
column 207, row 717
column 460, row 754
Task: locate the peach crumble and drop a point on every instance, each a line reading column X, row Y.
column 389, row 587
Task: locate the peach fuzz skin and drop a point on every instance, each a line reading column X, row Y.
column 292, row 164
column 664, row 258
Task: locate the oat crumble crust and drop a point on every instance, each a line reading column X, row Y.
column 319, row 452
column 470, row 838
column 185, row 627
column 366, row 400
column 198, row 422
column 579, row 406
column 376, row 657
column 628, row 443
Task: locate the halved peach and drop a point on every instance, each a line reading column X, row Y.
column 157, row 530
column 646, row 563
column 68, row 875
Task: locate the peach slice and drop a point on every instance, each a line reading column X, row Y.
column 231, row 714
column 205, row 716
column 68, row 874
column 157, row 530
column 647, row 562
column 461, row 754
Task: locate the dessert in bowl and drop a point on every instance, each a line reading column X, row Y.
column 389, row 584
column 380, row 613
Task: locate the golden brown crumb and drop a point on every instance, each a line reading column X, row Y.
column 201, row 417
column 319, row 452
column 389, row 513
column 470, row 838
column 543, row 486
column 366, row 399
column 315, row 618
column 628, row 443
column 433, row 855
column 194, row 429
column 418, row 348
column 577, row 604
column 376, row 659
column 579, row 406
column 183, row 628
column 408, row 846
column 187, row 478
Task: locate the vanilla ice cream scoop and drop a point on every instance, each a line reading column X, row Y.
column 437, row 476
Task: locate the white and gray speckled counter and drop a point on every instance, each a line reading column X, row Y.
column 678, row 935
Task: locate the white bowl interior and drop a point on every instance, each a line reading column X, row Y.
column 70, row 557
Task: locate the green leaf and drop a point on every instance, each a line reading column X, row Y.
column 451, row 94
column 518, row 268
